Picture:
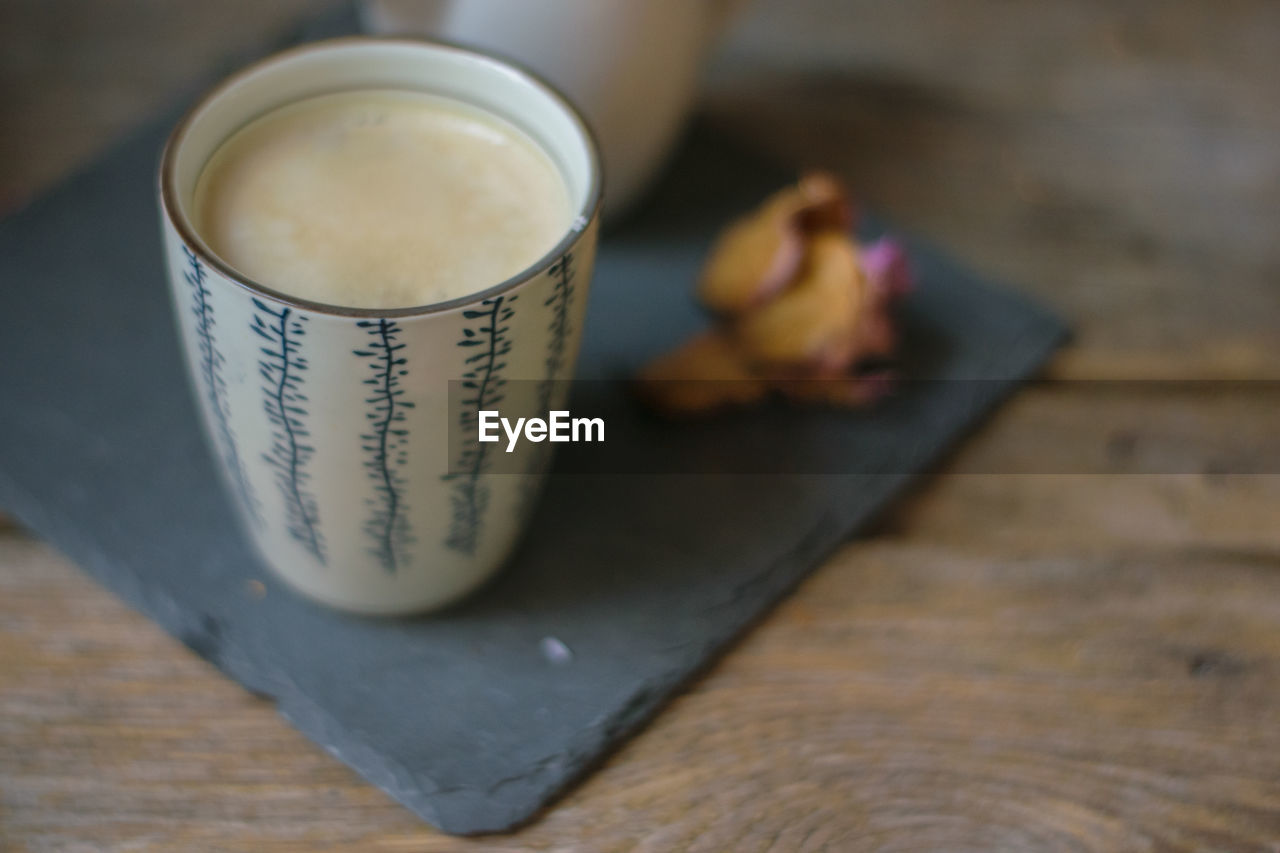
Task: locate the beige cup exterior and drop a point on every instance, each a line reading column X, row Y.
column 345, row 436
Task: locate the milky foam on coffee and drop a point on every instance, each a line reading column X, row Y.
column 380, row 199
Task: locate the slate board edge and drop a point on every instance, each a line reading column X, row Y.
column 591, row 748
column 782, row 577
column 595, row 745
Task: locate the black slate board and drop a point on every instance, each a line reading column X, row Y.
column 461, row 716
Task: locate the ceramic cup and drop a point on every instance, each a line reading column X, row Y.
column 354, row 468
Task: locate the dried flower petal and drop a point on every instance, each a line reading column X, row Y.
column 814, row 320
column 703, row 374
column 753, row 260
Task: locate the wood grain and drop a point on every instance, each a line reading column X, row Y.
column 1116, row 158
column 1036, row 650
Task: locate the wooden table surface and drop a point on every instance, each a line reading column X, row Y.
column 1033, row 659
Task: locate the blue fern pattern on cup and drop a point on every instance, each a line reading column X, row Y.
column 386, row 443
column 281, row 368
column 215, row 386
column 560, row 301
column 487, row 344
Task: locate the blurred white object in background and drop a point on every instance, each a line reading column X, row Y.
column 630, row 65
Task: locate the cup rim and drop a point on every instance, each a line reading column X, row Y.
column 581, row 221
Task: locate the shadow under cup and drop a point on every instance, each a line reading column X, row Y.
column 347, row 438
